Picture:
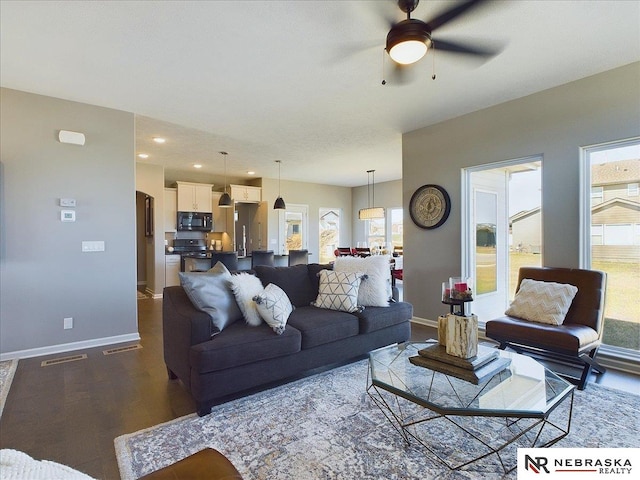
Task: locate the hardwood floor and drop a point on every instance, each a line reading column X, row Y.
column 71, row 412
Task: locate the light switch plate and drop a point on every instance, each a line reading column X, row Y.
column 93, row 246
column 67, row 202
column 67, row 215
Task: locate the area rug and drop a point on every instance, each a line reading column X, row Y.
column 326, row 427
column 7, row 371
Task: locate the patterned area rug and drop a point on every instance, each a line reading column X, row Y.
column 326, row 427
column 7, row 371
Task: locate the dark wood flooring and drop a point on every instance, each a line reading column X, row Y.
column 71, row 412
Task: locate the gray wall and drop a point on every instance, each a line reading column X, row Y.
column 44, row 276
column 315, row 196
column 554, row 123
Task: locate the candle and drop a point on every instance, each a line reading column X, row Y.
column 460, row 287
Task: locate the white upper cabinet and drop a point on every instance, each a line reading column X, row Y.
column 246, row 194
column 194, row 197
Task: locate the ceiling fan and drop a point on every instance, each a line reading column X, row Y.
column 410, row 39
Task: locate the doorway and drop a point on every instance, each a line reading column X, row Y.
column 502, row 229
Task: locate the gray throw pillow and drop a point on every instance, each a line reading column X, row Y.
column 209, row 292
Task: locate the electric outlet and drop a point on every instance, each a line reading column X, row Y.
column 68, row 323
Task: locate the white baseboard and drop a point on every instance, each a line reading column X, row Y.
column 69, row 347
column 152, row 294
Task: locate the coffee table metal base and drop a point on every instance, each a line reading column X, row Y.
column 530, row 432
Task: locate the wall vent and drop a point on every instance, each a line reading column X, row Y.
column 128, row 348
column 56, row 361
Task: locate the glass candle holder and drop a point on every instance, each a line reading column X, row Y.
column 460, row 288
column 446, row 291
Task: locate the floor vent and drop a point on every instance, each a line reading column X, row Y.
column 128, row 348
column 56, row 361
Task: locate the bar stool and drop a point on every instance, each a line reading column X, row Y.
column 262, row 257
column 298, row 257
column 229, row 259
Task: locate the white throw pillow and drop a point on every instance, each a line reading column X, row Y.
column 338, row 291
column 274, row 307
column 375, row 291
column 246, row 286
column 542, row 302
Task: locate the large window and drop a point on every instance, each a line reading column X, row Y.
column 611, row 236
column 329, row 233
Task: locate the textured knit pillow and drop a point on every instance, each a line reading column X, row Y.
column 542, row 302
column 376, row 290
column 338, row 291
column 274, row 307
column 209, row 292
column 246, row 286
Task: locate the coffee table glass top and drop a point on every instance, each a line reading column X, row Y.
column 525, row 388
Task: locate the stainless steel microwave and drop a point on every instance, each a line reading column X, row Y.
column 195, row 221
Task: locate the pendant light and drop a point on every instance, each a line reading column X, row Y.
column 225, row 200
column 279, row 203
column 371, row 212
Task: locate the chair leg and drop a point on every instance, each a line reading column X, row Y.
column 589, row 364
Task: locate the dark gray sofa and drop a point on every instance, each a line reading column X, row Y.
column 242, row 357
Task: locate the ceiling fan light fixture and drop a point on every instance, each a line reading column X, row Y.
column 408, row 41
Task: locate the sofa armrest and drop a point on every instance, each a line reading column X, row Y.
column 182, row 326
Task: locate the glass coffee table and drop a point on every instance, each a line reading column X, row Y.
column 461, row 422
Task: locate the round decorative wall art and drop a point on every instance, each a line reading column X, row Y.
column 429, row 206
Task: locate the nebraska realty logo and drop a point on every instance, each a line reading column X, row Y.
column 580, row 463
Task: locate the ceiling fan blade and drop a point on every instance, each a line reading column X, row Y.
column 452, row 14
column 474, row 48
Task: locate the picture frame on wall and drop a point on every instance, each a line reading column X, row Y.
column 148, row 216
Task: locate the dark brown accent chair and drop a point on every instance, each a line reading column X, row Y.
column 577, row 340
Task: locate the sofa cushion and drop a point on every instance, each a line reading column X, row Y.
column 240, row 344
column 542, row 302
column 274, row 307
column 210, row 293
column 319, row 326
column 314, row 270
column 245, row 286
column 294, row 281
column 377, row 318
column 375, row 291
column 338, row 291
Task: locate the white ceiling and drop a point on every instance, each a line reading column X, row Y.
column 298, row 81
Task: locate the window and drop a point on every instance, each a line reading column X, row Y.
column 376, row 233
column 597, row 194
column 329, row 231
column 611, row 236
column 396, row 232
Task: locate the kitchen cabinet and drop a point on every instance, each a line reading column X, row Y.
column 170, row 212
column 194, row 197
column 171, row 270
column 246, row 194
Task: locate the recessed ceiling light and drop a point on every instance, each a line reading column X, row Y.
column 159, row 139
column 143, row 155
column 197, row 165
column 251, row 172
